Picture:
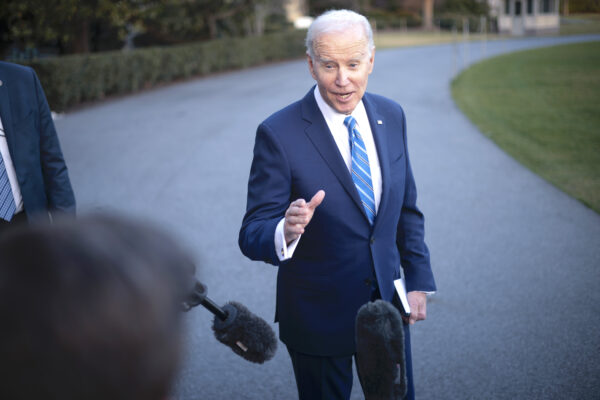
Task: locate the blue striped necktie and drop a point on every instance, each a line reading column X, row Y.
column 7, row 201
column 361, row 172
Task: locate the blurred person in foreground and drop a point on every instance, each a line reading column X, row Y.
column 34, row 181
column 332, row 202
column 90, row 309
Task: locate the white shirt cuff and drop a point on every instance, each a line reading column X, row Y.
column 284, row 252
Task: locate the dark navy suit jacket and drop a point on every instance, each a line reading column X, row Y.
column 33, row 143
column 320, row 289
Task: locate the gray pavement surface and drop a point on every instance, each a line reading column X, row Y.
column 517, row 262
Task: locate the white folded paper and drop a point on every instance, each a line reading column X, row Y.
column 401, row 289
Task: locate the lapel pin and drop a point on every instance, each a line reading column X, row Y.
column 0, row 83
column 379, row 122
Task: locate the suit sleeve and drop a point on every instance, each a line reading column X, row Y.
column 57, row 185
column 268, row 197
column 410, row 238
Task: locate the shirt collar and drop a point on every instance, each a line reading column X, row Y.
column 331, row 115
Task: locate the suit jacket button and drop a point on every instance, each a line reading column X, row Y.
column 372, row 240
column 368, row 282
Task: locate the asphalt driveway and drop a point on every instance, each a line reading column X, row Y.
column 517, row 261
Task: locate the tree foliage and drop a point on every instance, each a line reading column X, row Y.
column 317, row 7
column 464, row 7
column 80, row 26
column 70, row 25
column 584, row 6
column 176, row 21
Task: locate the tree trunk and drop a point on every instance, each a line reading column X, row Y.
column 260, row 14
column 81, row 41
column 428, row 15
column 212, row 26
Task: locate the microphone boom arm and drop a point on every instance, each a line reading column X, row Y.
column 198, row 297
column 214, row 308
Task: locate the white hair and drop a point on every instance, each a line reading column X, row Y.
column 338, row 21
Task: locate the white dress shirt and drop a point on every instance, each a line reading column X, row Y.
column 339, row 131
column 10, row 170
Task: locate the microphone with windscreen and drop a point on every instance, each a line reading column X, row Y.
column 248, row 335
column 380, row 351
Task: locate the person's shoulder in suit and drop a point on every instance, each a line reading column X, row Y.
column 291, row 111
column 16, row 70
column 293, row 114
column 22, row 83
column 383, row 104
column 386, row 107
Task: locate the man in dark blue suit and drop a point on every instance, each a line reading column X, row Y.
column 345, row 151
column 34, row 182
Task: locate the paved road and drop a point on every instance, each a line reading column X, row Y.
column 517, row 261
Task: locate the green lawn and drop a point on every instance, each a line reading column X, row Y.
column 390, row 39
column 543, row 108
column 578, row 24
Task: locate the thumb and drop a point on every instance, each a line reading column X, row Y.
column 316, row 199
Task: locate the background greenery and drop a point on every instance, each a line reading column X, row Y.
column 582, row 6
column 83, row 26
column 577, row 24
column 74, row 79
column 32, row 28
column 543, row 108
column 86, row 50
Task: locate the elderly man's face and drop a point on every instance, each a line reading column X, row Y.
column 341, row 68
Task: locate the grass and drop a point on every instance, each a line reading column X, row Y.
column 543, row 108
column 579, row 24
column 389, row 39
column 575, row 24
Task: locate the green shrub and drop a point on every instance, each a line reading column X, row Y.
column 75, row 79
column 383, row 20
column 448, row 21
column 583, row 6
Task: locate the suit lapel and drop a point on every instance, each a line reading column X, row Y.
column 5, row 112
column 319, row 134
column 380, row 138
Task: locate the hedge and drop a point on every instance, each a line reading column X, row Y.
column 74, row 79
column 383, row 20
column 451, row 20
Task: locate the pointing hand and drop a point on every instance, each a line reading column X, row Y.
column 299, row 214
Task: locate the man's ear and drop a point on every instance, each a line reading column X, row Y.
column 372, row 60
column 311, row 66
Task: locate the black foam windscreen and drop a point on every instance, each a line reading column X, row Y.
column 380, row 351
column 246, row 334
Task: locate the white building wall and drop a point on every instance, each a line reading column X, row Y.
column 537, row 21
column 505, row 23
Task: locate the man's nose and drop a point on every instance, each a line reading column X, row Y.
column 342, row 77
